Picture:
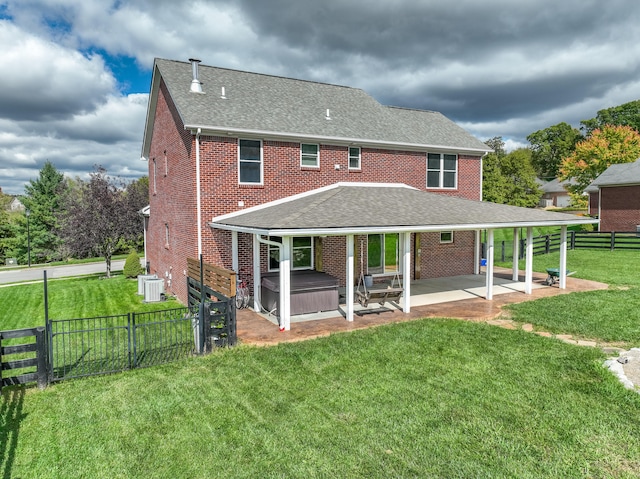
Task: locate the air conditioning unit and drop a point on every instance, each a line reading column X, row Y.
column 141, row 279
column 153, row 290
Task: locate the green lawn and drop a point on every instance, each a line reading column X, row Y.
column 429, row 398
column 609, row 315
column 22, row 306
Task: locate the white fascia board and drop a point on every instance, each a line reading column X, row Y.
column 392, row 229
column 304, row 194
column 333, row 140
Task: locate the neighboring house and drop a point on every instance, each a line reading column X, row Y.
column 555, row 194
column 270, row 176
column 614, row 197
column 16, row 204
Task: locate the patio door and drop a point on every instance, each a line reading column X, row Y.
column 383, row 253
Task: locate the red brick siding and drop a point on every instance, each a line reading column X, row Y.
column 174, row 203
column 175, row 200
column 620, row 208
column 447, row 259
column 593, row 204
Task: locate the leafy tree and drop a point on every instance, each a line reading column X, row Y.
column 136, row 197
column 604, row 147
column 96, row 217
column 520, row 179
column 550, row 146
column 493, row 182
column 6, row 230
column 43, row 200
column 627, row 114
column 509, row 178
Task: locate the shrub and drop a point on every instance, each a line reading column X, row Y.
column 132, row 266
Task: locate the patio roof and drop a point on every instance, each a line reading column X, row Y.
column 354, row 208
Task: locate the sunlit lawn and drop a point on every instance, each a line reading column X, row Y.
column 430, row 398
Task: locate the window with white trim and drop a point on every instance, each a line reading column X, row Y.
column 155, row 181
column 309, row 155
column 166, row 235
column 354, row 158
column 442, row 170
column 446, row 236
column 250, row 161
column 301, row 253
column 383, row 253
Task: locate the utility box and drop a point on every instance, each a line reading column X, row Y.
column 14, row 261
column 141, row 279
column 153, row 290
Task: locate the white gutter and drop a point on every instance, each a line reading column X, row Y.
column 296, row 137
column 198, row 200
column 391, row 229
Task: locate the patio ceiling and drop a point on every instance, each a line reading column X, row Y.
column 356, row 208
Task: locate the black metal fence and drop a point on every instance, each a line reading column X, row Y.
column 102, row 345
column 575, row 240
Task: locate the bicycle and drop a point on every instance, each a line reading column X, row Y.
column 242, row 294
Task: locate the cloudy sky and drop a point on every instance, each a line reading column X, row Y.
column 75, row 74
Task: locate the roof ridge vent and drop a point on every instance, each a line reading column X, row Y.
column 196, row 85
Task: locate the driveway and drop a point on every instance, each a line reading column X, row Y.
column 36, row 273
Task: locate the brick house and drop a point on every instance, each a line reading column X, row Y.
column 614, row 197
column 273, row 176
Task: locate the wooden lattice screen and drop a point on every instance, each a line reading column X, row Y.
column 218, row 279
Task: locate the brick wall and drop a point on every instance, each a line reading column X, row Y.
column 620, row 208
column 174, row 201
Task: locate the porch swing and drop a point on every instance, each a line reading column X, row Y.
column 380, row 295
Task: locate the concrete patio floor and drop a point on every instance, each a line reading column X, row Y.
column 455, row 297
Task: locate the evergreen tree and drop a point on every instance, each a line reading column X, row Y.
column 43, row 201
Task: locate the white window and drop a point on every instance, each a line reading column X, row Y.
column 250, row 162
column 166, row 235
column 446, row 236
column 442, row 170
column 309, row 155
column 301, row 253
column 166, row 164
column 383, row 253
column 354, row 158
column 155, row 189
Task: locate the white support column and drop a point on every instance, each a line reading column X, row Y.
column 285, row 284
column 563, row 258
column 477, row 253
column 406, row 273
column 257, row 292
column 350, row 276
column 490, row 252
column 234, row 252
column 528, row 274
column 516, row 252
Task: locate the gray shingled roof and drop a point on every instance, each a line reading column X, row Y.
column 352, row 207
column 279, row 106
column 620, row 174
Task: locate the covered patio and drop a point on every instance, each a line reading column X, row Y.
column 256, row 329
column 351, row 209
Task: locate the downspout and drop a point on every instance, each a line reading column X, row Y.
column 198, row 201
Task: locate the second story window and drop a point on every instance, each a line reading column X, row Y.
column 354, row 158
column 442, row 170
column 309, row 155
column 250, row 162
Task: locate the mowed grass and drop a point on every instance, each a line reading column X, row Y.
column 429, row 398
column 22, row 306
column 608, row 315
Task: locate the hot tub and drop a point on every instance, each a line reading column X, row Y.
column 311, row 292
